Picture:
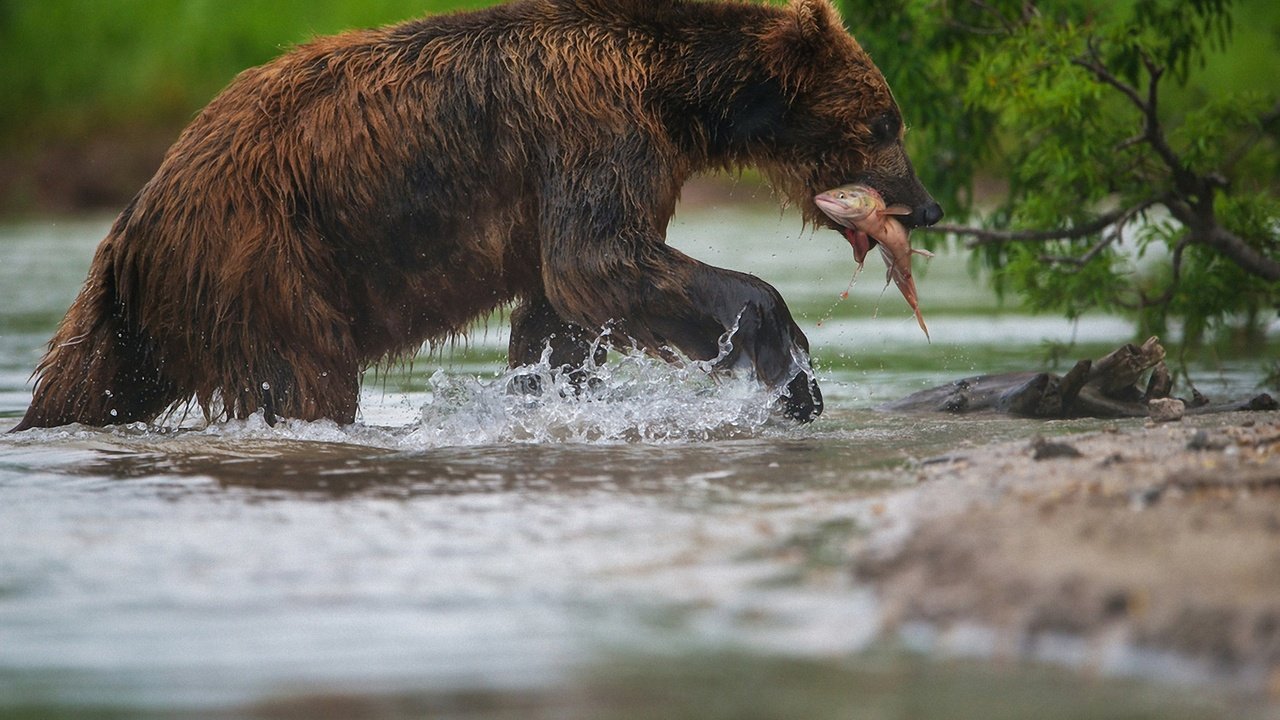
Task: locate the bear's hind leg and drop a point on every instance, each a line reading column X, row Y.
column 535, row 326
column 100, row 369
column 293, row 385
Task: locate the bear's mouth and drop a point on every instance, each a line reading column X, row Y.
column 861, row 240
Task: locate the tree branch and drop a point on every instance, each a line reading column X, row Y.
column 985, row 236
column 1111, row 237
column 1241, row 253
column 1078, row 262
column 1152, row 132
column 1206, row 230
column 1094, row 65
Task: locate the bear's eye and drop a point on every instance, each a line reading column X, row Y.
column 885, row 127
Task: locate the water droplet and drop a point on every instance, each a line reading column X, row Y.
column 266, row 386
column 114, row 413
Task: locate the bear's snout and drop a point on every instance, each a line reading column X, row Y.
column 925, row 215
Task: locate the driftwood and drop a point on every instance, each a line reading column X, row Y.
column 1110, row 386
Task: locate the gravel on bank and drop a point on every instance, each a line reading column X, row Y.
column 1164, row 538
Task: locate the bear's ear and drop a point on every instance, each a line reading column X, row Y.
column 815, row 18
column 796, row 41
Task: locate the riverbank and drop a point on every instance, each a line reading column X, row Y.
column 1152, row 551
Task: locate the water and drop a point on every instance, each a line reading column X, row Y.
column 470, row 552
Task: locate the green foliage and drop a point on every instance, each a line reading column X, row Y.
column 70, row 67
column 1141, row 180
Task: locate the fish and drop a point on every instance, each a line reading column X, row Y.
column 867, row 223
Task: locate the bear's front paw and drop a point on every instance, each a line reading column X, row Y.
column 802, row 399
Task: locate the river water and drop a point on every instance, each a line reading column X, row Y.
column 666, row 547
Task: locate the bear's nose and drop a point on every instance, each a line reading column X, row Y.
column 928, row 215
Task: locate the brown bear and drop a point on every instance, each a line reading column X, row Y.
column 368, row 192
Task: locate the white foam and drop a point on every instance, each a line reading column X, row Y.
column 631, row 398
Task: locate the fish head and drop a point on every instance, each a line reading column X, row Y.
column 849, row 205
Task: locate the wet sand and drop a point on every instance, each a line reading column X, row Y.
column 1158, row 545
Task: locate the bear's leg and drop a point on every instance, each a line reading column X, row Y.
column 677, row 301
column 100, row 370
column 764, row 337
column 305, row 386
column 605, row 259
column 535, row 326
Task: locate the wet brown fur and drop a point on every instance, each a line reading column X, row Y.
column 367, row 192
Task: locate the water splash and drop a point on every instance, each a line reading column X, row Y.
column 631, row 398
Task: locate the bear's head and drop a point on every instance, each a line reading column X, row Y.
column 841, row 123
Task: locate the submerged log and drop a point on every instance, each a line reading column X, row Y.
column 1111, row 386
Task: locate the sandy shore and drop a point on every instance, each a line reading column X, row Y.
column 1163, row 540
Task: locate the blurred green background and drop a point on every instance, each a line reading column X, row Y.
column 93, row 91
column 73, row 66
